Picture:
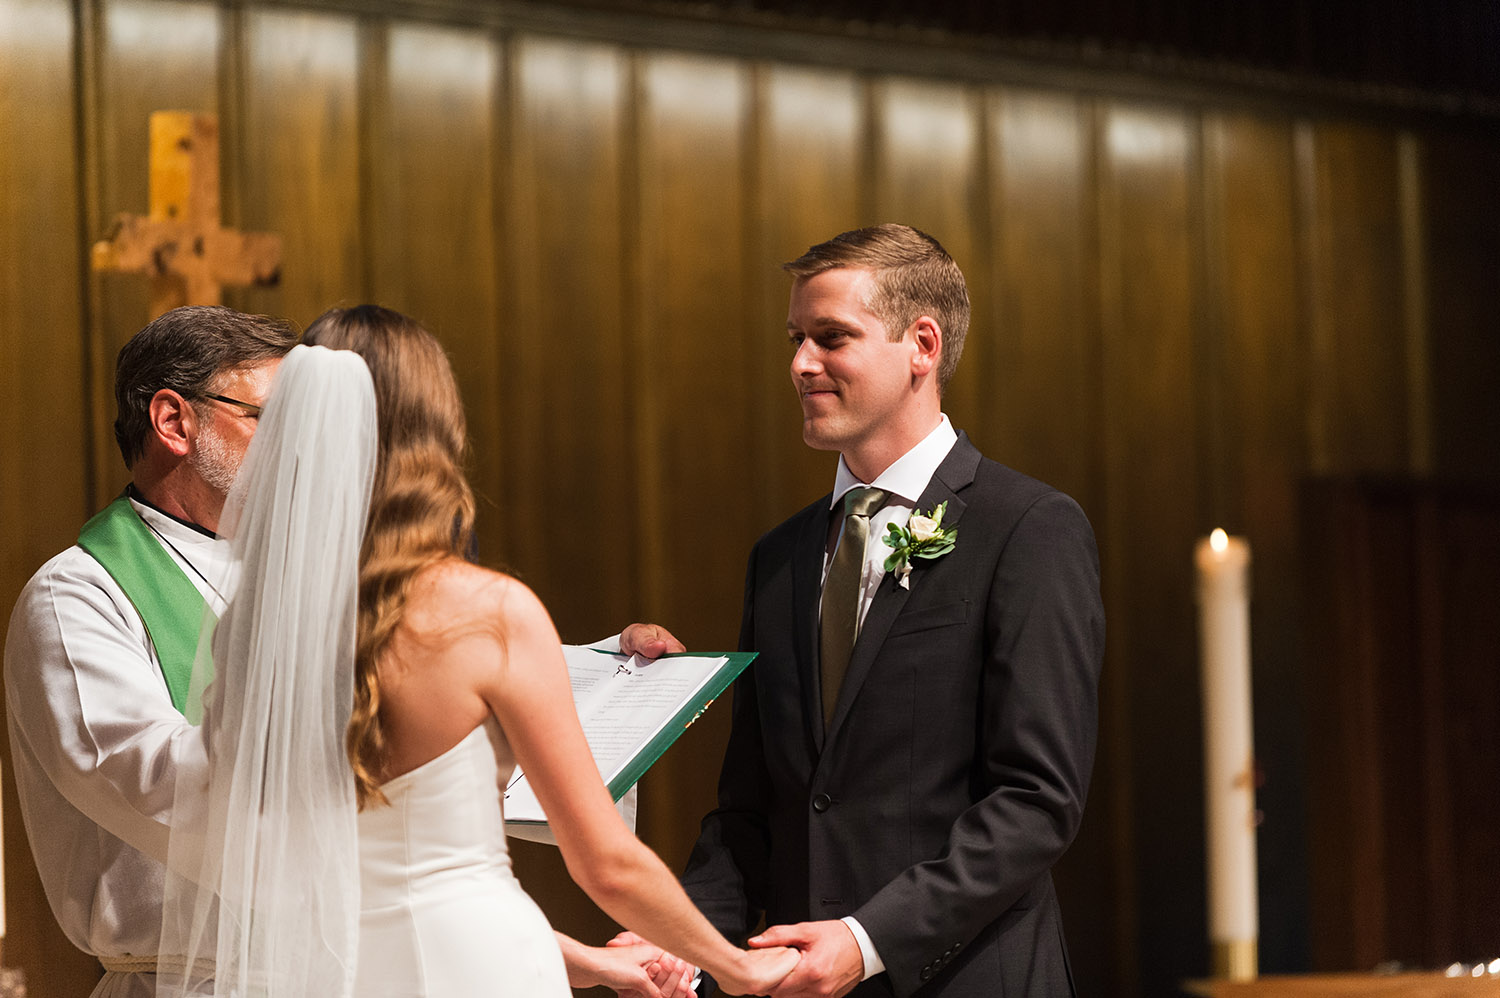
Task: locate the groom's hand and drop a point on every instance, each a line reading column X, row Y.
column 831, row 963
column 648, row 641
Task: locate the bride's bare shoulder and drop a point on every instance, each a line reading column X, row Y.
column 456, row 590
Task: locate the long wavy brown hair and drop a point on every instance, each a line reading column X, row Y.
column 421, row 507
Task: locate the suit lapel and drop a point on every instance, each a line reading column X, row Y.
column 952, row 476
column 807, row 585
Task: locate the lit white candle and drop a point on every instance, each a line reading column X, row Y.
column 1223, row 564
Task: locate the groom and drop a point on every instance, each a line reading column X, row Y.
column 911, row 750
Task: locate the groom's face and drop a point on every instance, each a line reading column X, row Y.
column 852, row 379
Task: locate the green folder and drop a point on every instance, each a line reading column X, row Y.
column 632, row 715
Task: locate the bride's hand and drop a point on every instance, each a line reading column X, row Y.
column 632, row 968
column 758, row 971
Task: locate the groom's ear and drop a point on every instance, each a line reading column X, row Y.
column 926, row 338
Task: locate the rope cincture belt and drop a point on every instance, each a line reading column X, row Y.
column 165, row 964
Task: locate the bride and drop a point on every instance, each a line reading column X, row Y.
column 454, row 673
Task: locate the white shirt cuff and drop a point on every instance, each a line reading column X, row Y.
column 873, row 964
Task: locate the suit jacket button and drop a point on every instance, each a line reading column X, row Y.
column 822, row 802
column 926, row 974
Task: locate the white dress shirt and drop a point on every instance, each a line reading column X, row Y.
column 98, row 746
column 905, row 481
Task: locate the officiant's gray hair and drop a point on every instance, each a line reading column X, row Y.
column 914, row 276
column 185, row 350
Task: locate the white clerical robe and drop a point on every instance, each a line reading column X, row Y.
column 98, row 745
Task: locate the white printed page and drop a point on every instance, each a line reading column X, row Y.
column 588, row 668
column 623, row 704
column 622, row 714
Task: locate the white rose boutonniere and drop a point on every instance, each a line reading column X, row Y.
column 923, row 537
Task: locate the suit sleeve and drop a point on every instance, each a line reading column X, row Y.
column 729, row 866
column 1042, row 649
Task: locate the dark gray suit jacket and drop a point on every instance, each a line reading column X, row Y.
column 954, row 772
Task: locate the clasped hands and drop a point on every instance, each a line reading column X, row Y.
column 831, row 963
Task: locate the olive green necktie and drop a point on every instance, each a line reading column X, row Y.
column 840, row 606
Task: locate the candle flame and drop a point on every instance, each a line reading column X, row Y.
column 1219, row 540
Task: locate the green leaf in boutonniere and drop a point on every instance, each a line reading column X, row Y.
column 923, row 537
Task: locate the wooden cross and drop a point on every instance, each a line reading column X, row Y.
column 180, row 244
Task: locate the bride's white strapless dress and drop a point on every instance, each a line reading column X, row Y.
column 442, row 915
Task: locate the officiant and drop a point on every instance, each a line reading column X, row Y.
column 102, row 639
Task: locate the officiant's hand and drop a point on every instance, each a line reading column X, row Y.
column 831, row 962
column 672, row 977
column 648, row 641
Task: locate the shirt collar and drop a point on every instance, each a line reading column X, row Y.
column 908, row 476
column 160, row 518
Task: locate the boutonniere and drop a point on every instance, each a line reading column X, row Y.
column 923, row 537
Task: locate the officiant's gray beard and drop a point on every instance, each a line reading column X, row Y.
column 213, row 460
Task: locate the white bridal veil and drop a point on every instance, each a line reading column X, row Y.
column 262, row 900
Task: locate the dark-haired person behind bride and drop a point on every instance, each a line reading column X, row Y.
column 443, row 674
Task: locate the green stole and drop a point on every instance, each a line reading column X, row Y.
column 169, row 604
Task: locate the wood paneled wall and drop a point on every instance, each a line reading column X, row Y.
column 1184, row 308
column 1406, row 737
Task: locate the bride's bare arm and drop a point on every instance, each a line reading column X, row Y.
column 527, row 689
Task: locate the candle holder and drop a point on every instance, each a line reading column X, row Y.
column 12, row 983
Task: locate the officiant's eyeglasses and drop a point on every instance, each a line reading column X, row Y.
column 249, row 409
